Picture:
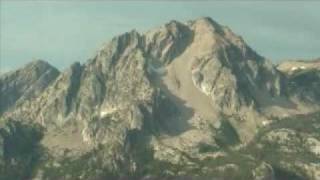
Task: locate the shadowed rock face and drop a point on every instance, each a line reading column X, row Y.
column 26, row 83
column 171, row 101
column 303, row 79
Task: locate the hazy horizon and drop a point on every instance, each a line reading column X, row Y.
column 68, row 31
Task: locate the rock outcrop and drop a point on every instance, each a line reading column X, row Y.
column 184, row 99
column 303, row 79
column 26, row 83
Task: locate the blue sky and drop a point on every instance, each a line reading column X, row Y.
column 62, row 32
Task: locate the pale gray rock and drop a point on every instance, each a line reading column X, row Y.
column 263, row 172
column 181, row 95
column 26, row 83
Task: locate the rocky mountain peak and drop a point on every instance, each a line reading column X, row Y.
column 206, row 24
column 25, row 83
column 167, row 42
column 118, row 48
column 131, row 39
column 37, row 66
column 39, row 63
column 181, row 94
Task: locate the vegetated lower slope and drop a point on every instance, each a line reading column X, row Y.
column 182, row 100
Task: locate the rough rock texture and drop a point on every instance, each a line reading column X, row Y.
column 184, row 99
column 26, row 83
column 303, row 79
column 293, row 66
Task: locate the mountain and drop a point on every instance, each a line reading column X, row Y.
column 293, row 66
column 182, row 100
column 303, row 78
column 25, row 83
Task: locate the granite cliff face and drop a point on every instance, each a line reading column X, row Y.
column 184, row 99
column 303, row 77
column 25, row 83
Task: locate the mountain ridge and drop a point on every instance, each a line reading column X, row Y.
column 162, row 97
column 34, row 76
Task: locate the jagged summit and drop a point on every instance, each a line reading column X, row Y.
column 25, row 83
column 168, row 41
column 204, row 68
column 39, row 64
column 179, row 94
column 206, row 22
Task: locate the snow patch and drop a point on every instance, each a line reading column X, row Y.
column 107, row 111
column 264, row 123
column 297, row 68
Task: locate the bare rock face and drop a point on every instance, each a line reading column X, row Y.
column 303, row 79
column 167, row 42
column 264, row 172
column 217, row 72
column 293, row 66
column 26, row 83
column 184, row 98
